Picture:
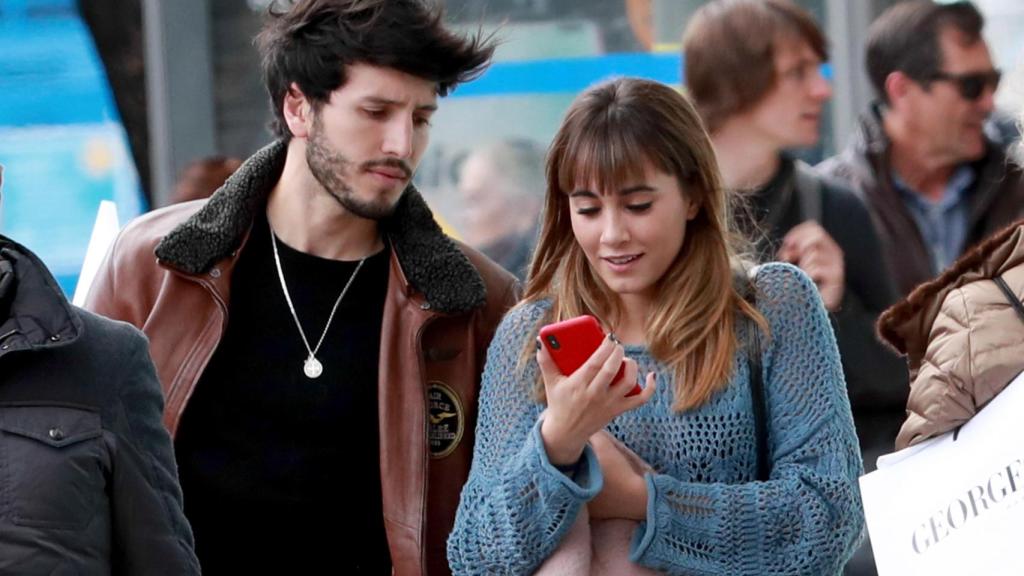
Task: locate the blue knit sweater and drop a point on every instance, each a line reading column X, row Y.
column 705, row 512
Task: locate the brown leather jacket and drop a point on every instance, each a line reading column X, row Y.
column 169, row 273
column 962, row 334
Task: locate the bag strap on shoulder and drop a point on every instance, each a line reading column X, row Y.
column 1014, row 301
column 760, row 408
column 808, row 191
column 757, row 397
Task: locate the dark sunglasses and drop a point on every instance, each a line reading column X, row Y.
column 971, row 85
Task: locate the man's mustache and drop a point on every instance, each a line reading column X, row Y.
column 388, row 163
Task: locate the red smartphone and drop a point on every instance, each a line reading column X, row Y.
column 571, row 342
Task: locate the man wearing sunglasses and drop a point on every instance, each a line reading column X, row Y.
column 934, row 182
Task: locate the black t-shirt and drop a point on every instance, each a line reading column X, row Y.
column 276, row 467
column 775, row 209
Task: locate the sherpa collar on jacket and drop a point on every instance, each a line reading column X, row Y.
column 432, row 263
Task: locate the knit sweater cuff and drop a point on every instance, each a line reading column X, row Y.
column 587, row 481
column 644, row 534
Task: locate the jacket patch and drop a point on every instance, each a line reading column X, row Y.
column 446, row 417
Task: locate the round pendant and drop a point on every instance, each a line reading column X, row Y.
column 312, row 367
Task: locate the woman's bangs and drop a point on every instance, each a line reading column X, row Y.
column 605, row 157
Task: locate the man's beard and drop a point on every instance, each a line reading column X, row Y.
column 332, row 169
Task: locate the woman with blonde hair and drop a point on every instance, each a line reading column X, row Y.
column 749, row 457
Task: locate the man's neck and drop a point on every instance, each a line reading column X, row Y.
column 910, row 158
column 746, row 162
column 307, row 218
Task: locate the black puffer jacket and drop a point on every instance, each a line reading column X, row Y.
column 88, row 483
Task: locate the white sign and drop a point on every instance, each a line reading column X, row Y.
column 953, row 504
column 104, row 232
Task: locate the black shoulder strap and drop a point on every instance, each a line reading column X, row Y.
column 1014, row 301
column 808, row 191
column 760, row 409
column 757, row 400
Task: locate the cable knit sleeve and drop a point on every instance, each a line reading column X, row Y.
column 807, row 518
column 516, row 506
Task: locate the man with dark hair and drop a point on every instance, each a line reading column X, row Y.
column 319, row 339
column 86, row 467
column 753, row 68
column 933, row 181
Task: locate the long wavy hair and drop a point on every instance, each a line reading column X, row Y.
column 609, row 134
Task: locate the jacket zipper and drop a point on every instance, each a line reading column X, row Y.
column 425, row 471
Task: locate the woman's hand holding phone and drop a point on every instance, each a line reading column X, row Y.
column 584, row 402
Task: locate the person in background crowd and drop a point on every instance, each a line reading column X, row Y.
column 963, row 334
column 734, row 478
column 88, row 476
column 934, row 182
column 319, row 339
column 753, row 68
column 200, row 179
column 501, row 186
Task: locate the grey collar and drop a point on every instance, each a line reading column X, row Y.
column 432, row 263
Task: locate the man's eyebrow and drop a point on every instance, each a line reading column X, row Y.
column 381, row 101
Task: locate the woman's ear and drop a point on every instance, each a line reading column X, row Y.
column 692, row 209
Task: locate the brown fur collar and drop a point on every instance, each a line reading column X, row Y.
column 906, row 324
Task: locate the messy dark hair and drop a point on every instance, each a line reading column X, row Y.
column 905, row 38
column 311, row 42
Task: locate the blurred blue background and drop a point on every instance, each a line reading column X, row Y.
column 192, row 90
column 61, row 140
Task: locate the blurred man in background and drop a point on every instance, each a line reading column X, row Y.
column 501, row 187
column 934, row 182
column 202, row 177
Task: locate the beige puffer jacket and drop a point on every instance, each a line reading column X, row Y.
column 963, row 338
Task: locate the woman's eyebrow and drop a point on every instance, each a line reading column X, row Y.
column 624, row 192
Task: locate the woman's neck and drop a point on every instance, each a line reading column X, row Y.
column 631, row 326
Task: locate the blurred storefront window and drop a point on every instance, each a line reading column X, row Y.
column 61, row 140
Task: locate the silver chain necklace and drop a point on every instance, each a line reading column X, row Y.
column 312, row 367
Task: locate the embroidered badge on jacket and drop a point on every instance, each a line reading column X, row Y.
column 447, row 419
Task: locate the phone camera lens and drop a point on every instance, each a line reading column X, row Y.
column 553, row 342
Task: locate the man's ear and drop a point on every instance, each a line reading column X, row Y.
column 298, row 112
column 897, row 86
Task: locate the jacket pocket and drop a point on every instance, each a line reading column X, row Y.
column 53, row 465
